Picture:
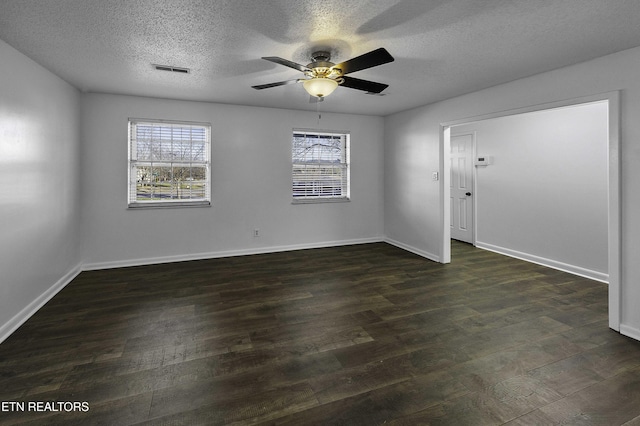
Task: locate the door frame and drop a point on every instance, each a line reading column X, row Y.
column 614, row 199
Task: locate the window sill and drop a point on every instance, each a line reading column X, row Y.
column 320, row 200
column 169, row 205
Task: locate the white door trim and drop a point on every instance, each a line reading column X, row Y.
column 614, row 207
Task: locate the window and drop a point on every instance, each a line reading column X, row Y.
column 320, row 166
column 169, row 163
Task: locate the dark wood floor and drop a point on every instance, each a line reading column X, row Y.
column 367, row 334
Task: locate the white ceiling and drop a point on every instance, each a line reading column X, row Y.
column 442, row 48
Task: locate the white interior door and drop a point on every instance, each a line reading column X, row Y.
column 461, row 182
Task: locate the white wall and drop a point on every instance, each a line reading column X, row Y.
column 251, row 174
column 412, row 153
column 39, row 195
column 545, row 197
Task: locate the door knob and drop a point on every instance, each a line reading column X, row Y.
column 468, row 194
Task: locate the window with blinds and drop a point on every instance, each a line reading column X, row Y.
column 320, row 169
column 169, row 163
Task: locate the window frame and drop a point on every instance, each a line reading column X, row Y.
column 344, row 165
column 133, row 163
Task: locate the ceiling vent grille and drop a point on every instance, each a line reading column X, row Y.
column 172, row 69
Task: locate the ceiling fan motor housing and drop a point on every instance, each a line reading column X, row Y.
column 321, row 67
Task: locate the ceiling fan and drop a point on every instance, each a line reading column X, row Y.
column 322, row 77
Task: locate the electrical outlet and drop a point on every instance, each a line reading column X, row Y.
column 256, row 232
column 434, row 176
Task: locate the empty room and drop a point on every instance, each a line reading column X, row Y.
column 359, row 212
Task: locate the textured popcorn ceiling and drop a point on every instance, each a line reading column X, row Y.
column 443, row 48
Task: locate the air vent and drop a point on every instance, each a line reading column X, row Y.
column 172, row 69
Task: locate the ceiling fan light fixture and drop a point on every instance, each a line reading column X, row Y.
column 320, row 87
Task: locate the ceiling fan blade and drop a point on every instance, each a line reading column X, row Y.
column 278, row 83
column 286, row 63
column 372, row 59
column 366, row 85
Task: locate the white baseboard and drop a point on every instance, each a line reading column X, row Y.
column 226, row 253
column 572, row 269
column 414, row 250
column 21, row 317
column 634, row 333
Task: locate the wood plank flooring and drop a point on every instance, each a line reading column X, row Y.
column 358, row 335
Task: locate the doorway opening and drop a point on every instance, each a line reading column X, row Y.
column 452, row 199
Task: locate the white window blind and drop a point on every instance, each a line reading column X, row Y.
column 320, row 166
column 169, row 163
